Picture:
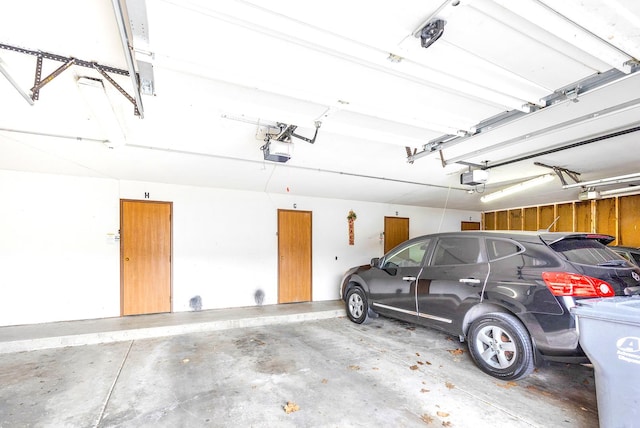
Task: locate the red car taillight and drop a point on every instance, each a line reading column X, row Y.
column 576, row 285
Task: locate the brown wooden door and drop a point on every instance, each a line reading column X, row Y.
column 470, row 225
column 396, row 231
column 145, row 257
column 294, row 256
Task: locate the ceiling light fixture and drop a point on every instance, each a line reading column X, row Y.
column 605, row 181
column 622, row 190
column 518, row 187
column 95, row 96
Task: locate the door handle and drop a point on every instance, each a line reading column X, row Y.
column 408, row 278
column 469, row 281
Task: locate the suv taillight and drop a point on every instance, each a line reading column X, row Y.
column 576, row 285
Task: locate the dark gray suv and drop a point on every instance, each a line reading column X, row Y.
column 507, row 293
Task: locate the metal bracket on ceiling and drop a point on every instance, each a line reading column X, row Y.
column 104, row 74
column 410, row 154
column 633, row 64
column 281, row 131
column 560, row 171
column 39, row 83
column 572, row 93
column 430, row 147
column 286, row 132
column 444, row 162
column 437, row 145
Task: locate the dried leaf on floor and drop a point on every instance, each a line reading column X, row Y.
column 539, row 391
column 446, row 424
column 457, row 351
column 414, row 367
column 507, row 385
column 449, row 385
column 417, row 354
column 291, row 407
column 423, row 390
column 354, row 367
column 185, row 360
column 325, row 381
column 427, row 418
column 442, row 414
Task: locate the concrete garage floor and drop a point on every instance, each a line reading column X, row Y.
column 242, row 373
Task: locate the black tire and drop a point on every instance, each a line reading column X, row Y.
column 501, row 347
column 357, row 306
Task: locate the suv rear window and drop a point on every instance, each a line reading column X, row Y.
column 499, row 248
column 585, row 251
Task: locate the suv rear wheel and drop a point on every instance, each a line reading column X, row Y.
column 500, row 345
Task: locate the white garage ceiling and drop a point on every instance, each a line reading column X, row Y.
column 508, row 86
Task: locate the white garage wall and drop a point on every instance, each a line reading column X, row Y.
column 55, row 260
column 59, row 261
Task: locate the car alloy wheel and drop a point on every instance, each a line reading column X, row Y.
column 500, row 345
column 357, row 308
column 499, row 351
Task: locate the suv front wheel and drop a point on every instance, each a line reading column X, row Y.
column 357, row 307
column 500, row 345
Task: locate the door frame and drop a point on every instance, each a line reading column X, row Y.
column 310, row 213
column 470, row 225
column 389, row 219
column 171, row 295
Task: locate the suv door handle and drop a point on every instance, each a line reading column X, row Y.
column 469, row 280
column 408, row 278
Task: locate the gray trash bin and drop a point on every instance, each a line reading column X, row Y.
column 609, row 333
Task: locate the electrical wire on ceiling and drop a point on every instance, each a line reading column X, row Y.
column 303, row 168
column 57, row 156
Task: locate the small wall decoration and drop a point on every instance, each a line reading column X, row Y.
column 351, row 218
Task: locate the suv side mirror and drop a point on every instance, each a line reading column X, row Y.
column 390, row 268
column 375, row 262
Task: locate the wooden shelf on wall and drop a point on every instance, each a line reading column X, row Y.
column 617, row 216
